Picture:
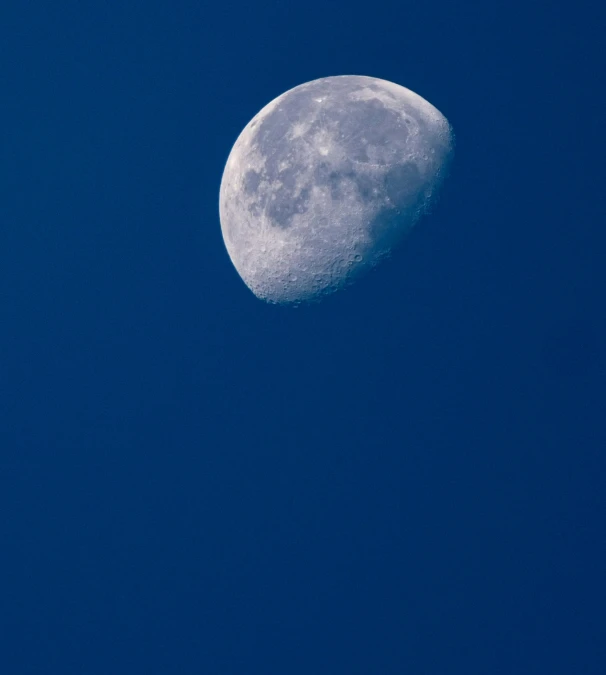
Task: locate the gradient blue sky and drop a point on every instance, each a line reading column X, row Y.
column 408, row 478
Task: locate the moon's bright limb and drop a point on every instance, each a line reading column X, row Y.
column 325, row 180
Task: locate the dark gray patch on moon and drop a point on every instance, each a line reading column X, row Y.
column 326, row 175
column 368, row 123
column 286, row 204
column 403, row 185
column 339, row 169
column 251, row 181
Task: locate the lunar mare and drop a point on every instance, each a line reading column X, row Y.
column 326, row 180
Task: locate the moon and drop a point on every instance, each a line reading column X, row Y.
column 326, row 180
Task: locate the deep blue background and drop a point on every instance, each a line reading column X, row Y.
column 407, row 478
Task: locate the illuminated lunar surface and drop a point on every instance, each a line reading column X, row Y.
column 326, row 180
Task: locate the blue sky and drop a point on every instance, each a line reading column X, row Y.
column 407, row 478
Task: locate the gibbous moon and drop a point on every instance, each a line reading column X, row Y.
column 326, row 180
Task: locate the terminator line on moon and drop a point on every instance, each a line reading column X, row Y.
column 326, row 180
